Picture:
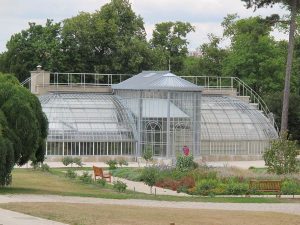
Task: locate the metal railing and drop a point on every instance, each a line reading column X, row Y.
column 233, row 83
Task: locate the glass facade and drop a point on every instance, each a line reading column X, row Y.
column 157, row 111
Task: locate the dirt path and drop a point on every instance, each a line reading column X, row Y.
column 290, row 208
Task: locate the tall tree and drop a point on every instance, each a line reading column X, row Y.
column 36, row 45
column 254, row 56
column 23, row 127
column 170, row 39
column 293, row 6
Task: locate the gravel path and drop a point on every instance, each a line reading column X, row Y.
column 8, row 217
column 291, row 208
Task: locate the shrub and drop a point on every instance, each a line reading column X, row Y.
column 35, row 165
column 290, row 187
column 86, row 178
column 206, row 186
column 101, row 182
column 71, row 174
column 120, row 186
column 168, row 183
column 185, row 162
column 112, row 163
column 67, row 160
column 123, row 162
column 149, row 176
column 147, row 154
column 281, row 157
column 78, row 161
column 234, row 188
column 188, row 182
column 45, row 167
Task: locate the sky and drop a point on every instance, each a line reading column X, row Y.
column 205, row 15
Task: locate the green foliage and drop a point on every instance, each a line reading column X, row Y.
column 122, row 162
column 86, row 178
column 101, row 182
column 235, row 188
column 133, row 174
column 170, row 39
column 149, row 176
column 254, row 54
column 290, row 187
column 112, row 163
column 206, row 186
column 147, row 154
column 78, row 161
column 67, row 160
column 119, row 186
column 281, row 157
column 45, row 167
column 274, row 101
column 23, row 127
column 185, row 163
column 71, row 174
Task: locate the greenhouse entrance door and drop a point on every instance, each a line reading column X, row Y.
column 154, row 139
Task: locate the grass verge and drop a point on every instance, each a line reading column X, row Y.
column 88, row 214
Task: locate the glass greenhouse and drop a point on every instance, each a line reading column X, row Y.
column 157, row 111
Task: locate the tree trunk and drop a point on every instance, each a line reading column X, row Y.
column 286, row 94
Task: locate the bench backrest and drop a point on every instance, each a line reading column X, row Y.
column 98, row 171
column 265, row 185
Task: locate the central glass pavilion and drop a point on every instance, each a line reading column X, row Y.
column 154, row 110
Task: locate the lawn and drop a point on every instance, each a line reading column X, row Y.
column 88, row 214
column 28, row 181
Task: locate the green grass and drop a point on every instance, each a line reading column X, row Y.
column 28, row 181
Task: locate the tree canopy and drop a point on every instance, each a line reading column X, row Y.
column 23, row 127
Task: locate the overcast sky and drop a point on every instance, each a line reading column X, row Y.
column 205, row 15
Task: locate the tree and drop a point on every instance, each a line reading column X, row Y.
column 149, row 176
column 293, row 6
column 170, row 39
column 36, row 45
column 281, row 157
column 274, row 102
column 254, row 56
column 111, row 40
column 148, row 154
column 23, row 127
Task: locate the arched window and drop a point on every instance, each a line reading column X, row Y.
column 154, row 137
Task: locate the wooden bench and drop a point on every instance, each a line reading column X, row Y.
column 98, row 172
column 266, row 186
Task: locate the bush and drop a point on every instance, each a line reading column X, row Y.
column 234, row 188
column 206, row 186
column 86, row 178
column 67, row 160
column 78, row 161
column 149, row 176
column 290, row 187
column 71, row 174
column 123, row 162
column 112, row 163
column 148, row 154
column 101, row 182
column 120, row 186
column 281, row 157
column 185, row 162
column 45, row 167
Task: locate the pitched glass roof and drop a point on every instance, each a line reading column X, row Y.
column 156, row 80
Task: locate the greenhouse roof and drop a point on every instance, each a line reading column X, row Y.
column 156, row 80
column 86, row 116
